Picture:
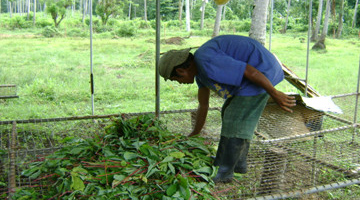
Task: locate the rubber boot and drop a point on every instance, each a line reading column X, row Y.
column 220, row 150
column 227, row 157
column 241, row 165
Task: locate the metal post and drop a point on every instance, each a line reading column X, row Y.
column 157, row 57
column 308, row 47
column 356, row 103
column 306, row 90
column 91, row 61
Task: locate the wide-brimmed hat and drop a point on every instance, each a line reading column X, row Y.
column 170, row 60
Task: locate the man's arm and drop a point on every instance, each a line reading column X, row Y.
column 283, row 100
column 203, row 98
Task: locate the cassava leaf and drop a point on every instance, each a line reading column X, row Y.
column 76, row 182
column 130, row 155
column 78, row 150
column 168, row 159
column 177, row 154
column 119, row 177
column 94, row 166
column 205, row 169
column 171, row 190
column 35, row 175
column 172, row 168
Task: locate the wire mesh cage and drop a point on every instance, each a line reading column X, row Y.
column 291, row 154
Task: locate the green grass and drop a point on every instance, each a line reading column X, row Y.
column 53, row 74
column 331, row 71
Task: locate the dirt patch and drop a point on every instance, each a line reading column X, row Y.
column 175, row 40
column 18, row 36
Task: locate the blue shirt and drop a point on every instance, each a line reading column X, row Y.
column 221, row 63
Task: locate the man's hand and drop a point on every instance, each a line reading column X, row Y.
column 283, row 100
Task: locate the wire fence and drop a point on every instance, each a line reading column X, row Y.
column 291, row 154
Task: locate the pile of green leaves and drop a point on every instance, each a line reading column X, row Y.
column 134, row 158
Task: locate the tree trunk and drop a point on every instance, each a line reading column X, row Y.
column 180, row 10
column 355, row 11
column 341, row 15
column 44, row 9
column 187, row 12
column 287, row 16
column 203, row 5
column 258, row 21
column 145, row 11
column 28, row 9
column 326, row 20
column 72, row 8
column 315, row 34
column 224, row 12
column 34, row 16
column 10, row 10
column 191, row 3
column 333, row 15
column 321, row 43
column 217, row 21
column 19, row 8
column 130, row 11
column 84, row 6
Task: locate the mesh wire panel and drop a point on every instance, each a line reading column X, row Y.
column 290, row 151
column 347, row 105
column 34, row 140
column 184, row 121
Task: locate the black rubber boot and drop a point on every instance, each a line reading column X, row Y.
column 220, row 150
column 227, row 156
column 241, row 165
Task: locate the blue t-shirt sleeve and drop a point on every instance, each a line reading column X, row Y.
column 221, row 67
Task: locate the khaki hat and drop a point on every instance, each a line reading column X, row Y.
column 170, row 60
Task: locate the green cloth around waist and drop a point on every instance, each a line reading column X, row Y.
column 240, row 115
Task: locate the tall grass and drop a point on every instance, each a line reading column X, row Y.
column 53, row 74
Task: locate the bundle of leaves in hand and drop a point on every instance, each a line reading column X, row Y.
column 134, row 158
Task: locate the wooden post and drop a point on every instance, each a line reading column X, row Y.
column 12, row 166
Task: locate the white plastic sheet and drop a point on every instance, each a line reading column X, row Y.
column 324, row 104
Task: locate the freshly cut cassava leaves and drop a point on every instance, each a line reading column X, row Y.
column 136, row 158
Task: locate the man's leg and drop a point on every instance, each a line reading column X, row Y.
column 241, row 165
column 239, row 118
column 233, row 149
column 220, row 150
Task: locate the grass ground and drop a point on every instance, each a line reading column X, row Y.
column 52, row 74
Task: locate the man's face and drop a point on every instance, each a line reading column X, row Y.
column 183, row 79
column 184, row 76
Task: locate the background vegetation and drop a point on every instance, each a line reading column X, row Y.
column 51, row 66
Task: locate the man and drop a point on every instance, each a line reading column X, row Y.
column 243, row 72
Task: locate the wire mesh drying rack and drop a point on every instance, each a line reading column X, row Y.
column 291, row 154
